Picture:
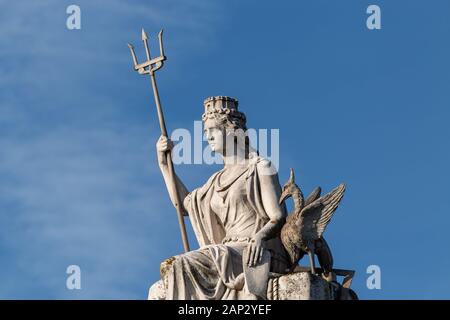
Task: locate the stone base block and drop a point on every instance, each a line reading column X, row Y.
column 293, row 286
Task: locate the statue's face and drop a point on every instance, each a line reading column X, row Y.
column 215, row 135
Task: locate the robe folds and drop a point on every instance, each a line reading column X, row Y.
column 224, row 216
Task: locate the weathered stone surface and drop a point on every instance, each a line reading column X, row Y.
column 302, row 286
column 157, row 291
column 294, row 286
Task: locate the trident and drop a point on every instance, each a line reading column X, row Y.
column 150, row 67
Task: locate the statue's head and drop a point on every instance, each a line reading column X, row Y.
column 224, row 125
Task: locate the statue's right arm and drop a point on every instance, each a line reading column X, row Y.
column 163, row 146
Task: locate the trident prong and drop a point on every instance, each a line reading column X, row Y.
column 133, row 54
column 150, row 67
column 161, row 48
column 147, row 49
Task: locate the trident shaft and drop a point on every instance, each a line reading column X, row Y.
column 150, row 67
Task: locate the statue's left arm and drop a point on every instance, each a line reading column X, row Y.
column 270, row 193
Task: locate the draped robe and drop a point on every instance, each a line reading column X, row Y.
column 225, row 216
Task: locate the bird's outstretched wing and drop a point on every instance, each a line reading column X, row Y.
column 315, row 217
column 313, row 196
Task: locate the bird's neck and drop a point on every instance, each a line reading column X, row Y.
column 298, row 199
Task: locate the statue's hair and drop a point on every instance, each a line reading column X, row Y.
column 227, row 118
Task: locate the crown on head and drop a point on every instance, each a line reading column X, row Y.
column 218, row 103
column 222, row 105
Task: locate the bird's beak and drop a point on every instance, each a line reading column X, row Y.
column 284, row 196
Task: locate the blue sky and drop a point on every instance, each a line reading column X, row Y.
column 79, row 182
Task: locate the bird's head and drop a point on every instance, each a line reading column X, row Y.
column 289, row 188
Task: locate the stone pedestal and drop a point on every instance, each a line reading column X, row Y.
column 299, row 286
column 294, row 286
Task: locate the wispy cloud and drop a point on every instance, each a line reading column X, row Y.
column 79, row 198
column 79, row 183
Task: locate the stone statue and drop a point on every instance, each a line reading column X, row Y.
column 248, row 249
column 302, row 232
column 236, row 216
column 239, row 219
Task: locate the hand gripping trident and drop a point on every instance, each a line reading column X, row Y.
column 150, row 67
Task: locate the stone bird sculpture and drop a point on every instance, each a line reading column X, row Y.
column 304, row 227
